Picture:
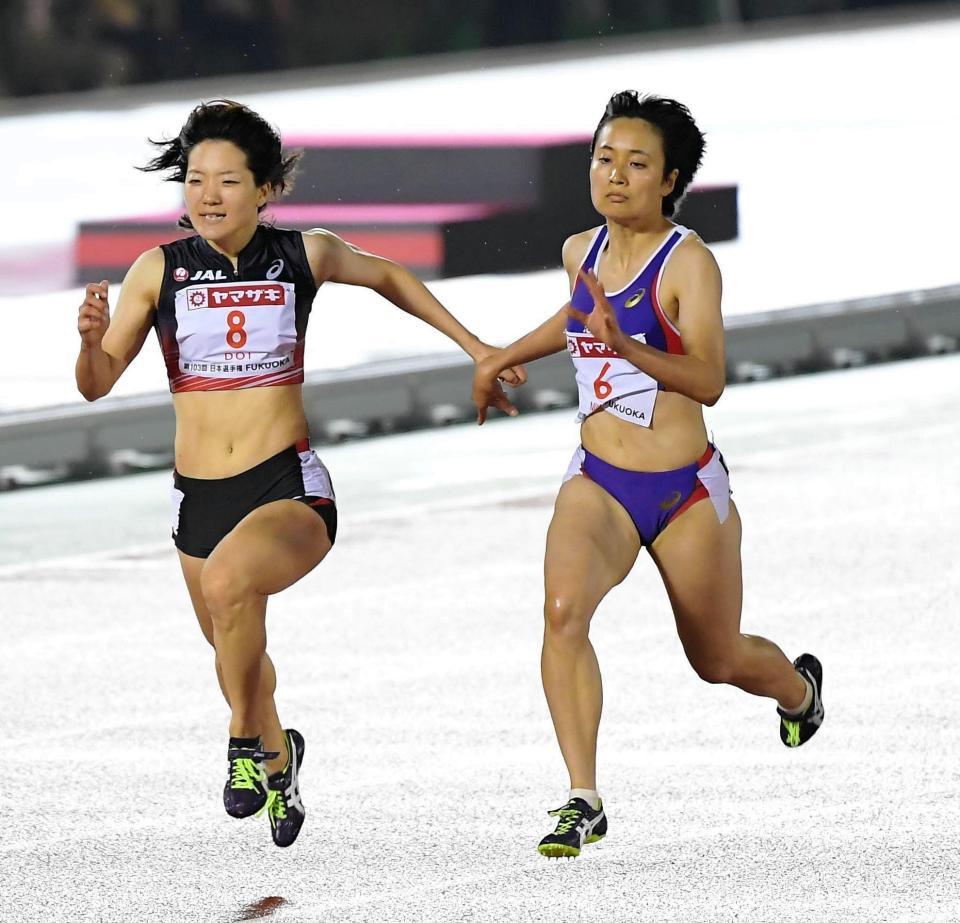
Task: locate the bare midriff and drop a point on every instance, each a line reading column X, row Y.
column 223, row 433
column 676, row 437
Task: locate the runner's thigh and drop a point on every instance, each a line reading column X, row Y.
column 699, row 559
column 591, row 546
column 271, row 548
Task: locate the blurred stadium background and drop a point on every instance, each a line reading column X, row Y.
column 453, row 140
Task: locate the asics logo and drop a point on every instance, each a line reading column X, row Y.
column 293, row 799
column 586, row 827
column 276, row 267
column 672, row 500
column 293, row 790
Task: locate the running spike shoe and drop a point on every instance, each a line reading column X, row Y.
column 798, row 729
column 284, row 806
column 246, row 790
column 577, row 824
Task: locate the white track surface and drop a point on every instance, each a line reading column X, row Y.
column 409, row 660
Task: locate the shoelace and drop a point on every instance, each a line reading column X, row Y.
column 569, row 817
column 275, row 805
column 246, row 773
column 793, row 732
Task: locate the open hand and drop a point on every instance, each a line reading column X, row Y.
column 602, row 321
column 487, row 391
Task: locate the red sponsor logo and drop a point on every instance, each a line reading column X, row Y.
column 180, row 274
column 591, row 348
column 245, row 296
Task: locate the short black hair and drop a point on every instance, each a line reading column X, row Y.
column 683, row 142
column 226, row 120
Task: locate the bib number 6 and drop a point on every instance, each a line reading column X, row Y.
column 236, row 335
column 601, row 387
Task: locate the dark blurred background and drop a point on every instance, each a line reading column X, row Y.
column 55, row 46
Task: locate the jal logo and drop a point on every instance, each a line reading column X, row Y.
column 276, row 267
column 208, row 275
column 180, row 274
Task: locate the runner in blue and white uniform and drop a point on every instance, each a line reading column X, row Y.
column 644, row 330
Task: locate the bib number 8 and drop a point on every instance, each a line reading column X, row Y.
column 236, row 335
column 602, row 388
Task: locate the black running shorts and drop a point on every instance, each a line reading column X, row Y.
column 204, row 510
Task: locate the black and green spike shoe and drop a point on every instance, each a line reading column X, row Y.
column 798, row 729
column 284, row 806
column 577, row 824
column 245, row 792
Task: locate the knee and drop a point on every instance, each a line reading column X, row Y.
column 224, row 591
column 564, row 619
column 714, row 670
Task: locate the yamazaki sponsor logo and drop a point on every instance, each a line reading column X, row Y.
column 249, row 296
column 591, row 348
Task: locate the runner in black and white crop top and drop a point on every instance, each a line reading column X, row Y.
column 222, row 328
column 253, row 506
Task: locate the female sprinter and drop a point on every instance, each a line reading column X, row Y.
column 644, row 330
column 254, row 509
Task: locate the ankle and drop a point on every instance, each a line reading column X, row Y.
column 281, row 748
column 280, row 764
column 804, row 703
column 244, row 728
column 590, row 795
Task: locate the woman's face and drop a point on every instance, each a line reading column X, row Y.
column 626, row 173
column 221, row 195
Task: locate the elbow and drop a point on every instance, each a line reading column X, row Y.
column 91, row 394
column 389, row 283
column 713, row 394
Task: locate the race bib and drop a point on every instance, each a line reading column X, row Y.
column 606, row 381
column 236, row 329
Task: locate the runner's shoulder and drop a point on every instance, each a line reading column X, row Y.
column 575, row 249
column 145, row 275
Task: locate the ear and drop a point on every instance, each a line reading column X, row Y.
column 669, row 181
column 264, row 193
